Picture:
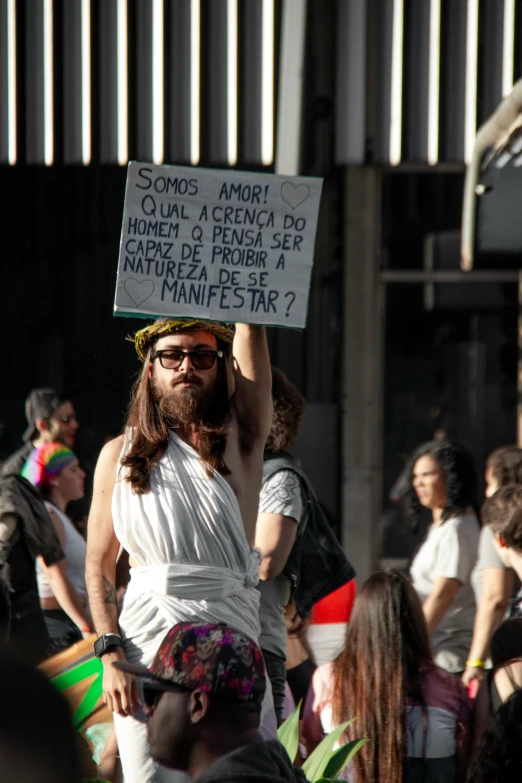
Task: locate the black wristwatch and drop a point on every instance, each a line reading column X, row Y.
column 106, row 642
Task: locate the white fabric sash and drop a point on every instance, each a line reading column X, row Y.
column 194, row 582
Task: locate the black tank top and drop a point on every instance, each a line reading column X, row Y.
column 495, row 700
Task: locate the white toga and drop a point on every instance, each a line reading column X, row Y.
column 195, row 565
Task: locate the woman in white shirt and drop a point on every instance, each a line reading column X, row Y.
column 55, row 472
column 443, row 480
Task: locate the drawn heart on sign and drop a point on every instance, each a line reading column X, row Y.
column 294, row 195
column 138, row 291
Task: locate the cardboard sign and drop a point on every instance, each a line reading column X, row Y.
column 217, row 245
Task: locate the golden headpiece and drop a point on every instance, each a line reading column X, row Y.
column 145, row 337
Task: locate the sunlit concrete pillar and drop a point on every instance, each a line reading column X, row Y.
column 362, row 369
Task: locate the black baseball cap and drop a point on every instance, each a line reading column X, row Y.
column 40, row 404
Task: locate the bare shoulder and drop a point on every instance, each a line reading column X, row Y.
column 100, row 515
column 505, row 674
column 106, row 467
column 110, row 453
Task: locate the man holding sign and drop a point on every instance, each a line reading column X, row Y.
column 179, row 491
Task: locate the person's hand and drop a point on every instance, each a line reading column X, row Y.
column 472, row 673
column 87, row 634
column 120, row 690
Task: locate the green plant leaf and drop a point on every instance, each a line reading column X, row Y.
column 288, row 733
column 326, row 780
column 317, row 762
column 342, row 757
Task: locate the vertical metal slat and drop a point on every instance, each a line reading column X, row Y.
column 177, row 81
column 508, row 46
column 351, row 82
column 453, row 83
column 8, row 82
column 108, row 81
column 72, row 81
column 387, row 94
column 232, row 46
column 417, row 77
column 34, row 74
column 122, row 72
column 491, row 60
column 143, row 82
column 158, row 81
column 216, row 82
column 291, row 67
column 250, row 42
column 4, row 82
column 86, row 80
column 195, row 81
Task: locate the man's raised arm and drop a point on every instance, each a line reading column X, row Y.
column 252, row 398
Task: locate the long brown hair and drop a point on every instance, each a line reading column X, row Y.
column 150, row 429
column 386, row 645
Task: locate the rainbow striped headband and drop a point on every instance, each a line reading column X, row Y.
column 46, row 462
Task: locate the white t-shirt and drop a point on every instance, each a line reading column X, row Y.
column 487, row 558
column 450, row 551
column 74, row 550
column 280, row 494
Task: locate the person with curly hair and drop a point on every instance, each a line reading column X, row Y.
column 493, row 582
column 443, row 480
column 291, row 529
column 281, row 519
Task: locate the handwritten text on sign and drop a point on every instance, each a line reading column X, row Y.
column 221, row 245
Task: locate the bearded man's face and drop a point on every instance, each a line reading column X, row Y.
column 185, row 393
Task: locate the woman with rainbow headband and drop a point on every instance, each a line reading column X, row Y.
column 55, row 471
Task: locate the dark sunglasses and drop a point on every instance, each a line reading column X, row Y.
column 151, row 692
column 172, row 358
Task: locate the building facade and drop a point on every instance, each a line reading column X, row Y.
column 382, row 99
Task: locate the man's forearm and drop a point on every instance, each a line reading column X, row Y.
column 103, row 599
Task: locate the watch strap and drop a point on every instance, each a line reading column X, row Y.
column 106, row 642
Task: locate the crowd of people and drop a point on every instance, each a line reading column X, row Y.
column 207, row 554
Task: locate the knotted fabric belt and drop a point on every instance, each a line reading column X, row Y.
column 194, row 582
